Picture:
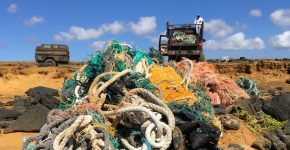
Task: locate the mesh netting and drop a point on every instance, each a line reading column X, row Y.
column 220, row 90
column 171, row 87
column 248, row 85
column 170, row 83
column 202, row 109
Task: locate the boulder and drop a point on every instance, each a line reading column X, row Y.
column 277, row 144
column 40, row 90
column 262, row 144
column 252, row 105
column 30, row 121
column 177, row 139
column 284, row 138
column 278, row 107
column 20, row 104
column 219, row 109
column 287, row 127
column 4, row 124
column 6, row 114
column 47, row 100
column 230, row 122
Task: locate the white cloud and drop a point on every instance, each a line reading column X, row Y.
column 218, row 28
column 240, row 25
column 97, row 45
column 280, row 41
column 32, row 21
column 115, row 28
column 32, row 39
column 235, row 42
column 82, row 34
column 12, row 8
column 281, row 17
column 146, row 25
column 256, row 13
column 57, row 38
column 155, row 39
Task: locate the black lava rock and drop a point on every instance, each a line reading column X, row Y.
column 30, row 121
column 279, row 88
column 40, row 90
column 20, row 104
column 262, row 144
column 6, row 114
column 284, row 138
column 4, row 124
column 47, row 100
column 287, row 81
column 252, row 105
column 277, row 144
column 219, row 109
column 287, row 127
column 278, row 107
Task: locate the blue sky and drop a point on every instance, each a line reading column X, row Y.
column 249, row 28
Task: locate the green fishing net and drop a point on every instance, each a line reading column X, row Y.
column 249, row 86
column 201, row 109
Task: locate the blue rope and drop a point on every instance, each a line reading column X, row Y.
column 248, row 86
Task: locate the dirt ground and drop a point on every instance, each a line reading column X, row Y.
column 18, row 77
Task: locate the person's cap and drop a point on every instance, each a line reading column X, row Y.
column 198, row 14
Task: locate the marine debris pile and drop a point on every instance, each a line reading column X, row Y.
column 124, row 99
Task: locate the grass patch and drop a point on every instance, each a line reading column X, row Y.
column 260, row 123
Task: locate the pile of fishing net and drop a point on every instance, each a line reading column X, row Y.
column 220, row 90
column 180, row 37
column 121, row 99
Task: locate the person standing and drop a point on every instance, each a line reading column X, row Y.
column 198, row 23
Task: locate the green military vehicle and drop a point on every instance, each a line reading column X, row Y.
column 52, row 54
column 182, row 40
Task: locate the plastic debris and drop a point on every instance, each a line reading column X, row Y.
column 124, row 99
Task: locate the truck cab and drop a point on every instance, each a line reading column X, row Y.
column 182, row 40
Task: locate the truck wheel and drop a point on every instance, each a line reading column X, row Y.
column 50, row 61
column 201, row 58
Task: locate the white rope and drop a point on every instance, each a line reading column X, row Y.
column 61, row 139
column 128, row 45
column 128, row 109
column 80, row 76
column 187, row 73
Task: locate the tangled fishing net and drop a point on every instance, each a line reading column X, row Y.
column 220, row 90
column 122, row 99
column 170, row 83
column 249, row 86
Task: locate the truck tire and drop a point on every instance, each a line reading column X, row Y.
column 50, row 61
column 201, row 58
